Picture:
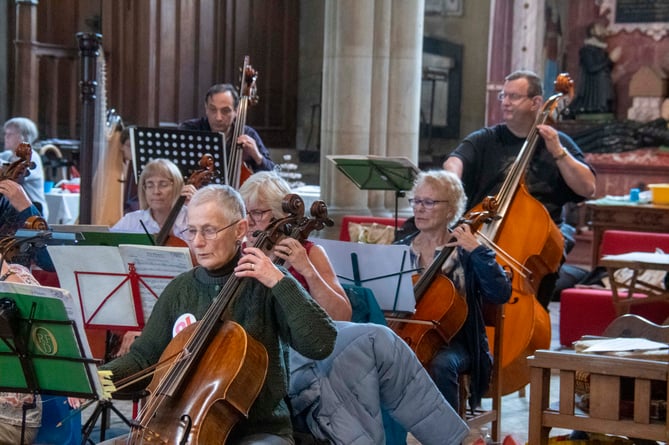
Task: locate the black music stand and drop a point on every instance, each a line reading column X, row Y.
column 378, row 173
column 41, row 348
column 183, row 147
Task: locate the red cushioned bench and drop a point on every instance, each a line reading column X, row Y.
column 589, row 311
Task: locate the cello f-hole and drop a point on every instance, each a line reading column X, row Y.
column 185, row 424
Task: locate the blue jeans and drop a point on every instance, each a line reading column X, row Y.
column 445, row 369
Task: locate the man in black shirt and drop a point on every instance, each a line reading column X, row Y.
column 557, row 173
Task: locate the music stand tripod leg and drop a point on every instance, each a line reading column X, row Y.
column 101, row 409
column 26, row 406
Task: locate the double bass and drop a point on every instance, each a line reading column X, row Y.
column 209, row 375
column 440, row 309
column 529, row 245
column 238, row 171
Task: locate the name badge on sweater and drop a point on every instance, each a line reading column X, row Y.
column 182, row 323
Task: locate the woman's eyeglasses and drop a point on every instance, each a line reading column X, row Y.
column 162, row 185
column 427, row 203
column 209, row 233
column 258, row 215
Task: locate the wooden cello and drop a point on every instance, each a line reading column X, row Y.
column 529, row 244
column 209, row 375
column 440, row 309
column 199, row 178
column 238, row 172
column 17, row 170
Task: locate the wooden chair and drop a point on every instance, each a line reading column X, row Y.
column 494, row 320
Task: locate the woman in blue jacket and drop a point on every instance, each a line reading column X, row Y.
column 438, row 201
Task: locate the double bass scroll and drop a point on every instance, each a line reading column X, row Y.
column 237, row 170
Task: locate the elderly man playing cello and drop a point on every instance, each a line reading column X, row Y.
column 557, row 173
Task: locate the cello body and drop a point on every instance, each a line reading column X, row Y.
column 444, row 310
column 229, row 378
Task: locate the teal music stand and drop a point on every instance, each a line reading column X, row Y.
column 369, row 172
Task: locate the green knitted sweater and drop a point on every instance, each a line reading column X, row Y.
column 279, row 317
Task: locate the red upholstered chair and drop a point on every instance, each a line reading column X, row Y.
column 590, row 311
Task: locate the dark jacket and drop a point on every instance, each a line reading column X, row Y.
column 202, row 124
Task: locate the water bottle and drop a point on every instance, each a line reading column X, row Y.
column 485, row 435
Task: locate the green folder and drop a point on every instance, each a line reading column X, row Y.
column 54, row 352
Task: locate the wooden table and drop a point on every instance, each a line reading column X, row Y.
column 605, row 395
column 624, row 216
column 636, row 290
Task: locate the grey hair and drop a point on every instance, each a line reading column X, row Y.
column 26, row 128
column 534, row 88
column 267, row 187
column 450, row 184
column 225, row 197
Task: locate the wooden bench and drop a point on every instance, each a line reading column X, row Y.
column 605, row 395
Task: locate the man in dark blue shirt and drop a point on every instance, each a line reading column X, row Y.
column 220, row 107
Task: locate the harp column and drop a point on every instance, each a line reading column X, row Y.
column 89, row 46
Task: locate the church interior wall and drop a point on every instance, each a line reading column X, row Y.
column 471, row 31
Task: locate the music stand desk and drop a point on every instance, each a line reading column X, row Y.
column 369, row 172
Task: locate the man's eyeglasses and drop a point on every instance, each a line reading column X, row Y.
column 162, row 185
column 513, row 97
column 427, row 203
column 258, row 215
column 190, row 233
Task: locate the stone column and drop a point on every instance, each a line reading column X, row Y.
column 26, row 75
column 528, row 39
column 371, row 94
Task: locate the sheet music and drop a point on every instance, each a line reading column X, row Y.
column 385, row 269
column 97, row 277
column 155, row 261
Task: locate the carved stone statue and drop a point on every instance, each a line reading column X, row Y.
column 594, row 89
